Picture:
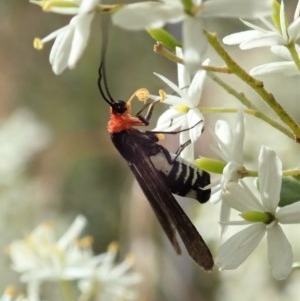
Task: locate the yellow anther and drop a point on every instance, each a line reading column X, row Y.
column 142, row 94
column 162, row 94
column 38, row 44
column 130, row 259
column 160, row 137
column 46, row 6
column 10, row 291
column 196, row 9
column 48, row 225
column 86, row 242
column 113, row 247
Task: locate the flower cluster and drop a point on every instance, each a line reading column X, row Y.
column 264, row 207
column 264, row 216
column 10, row 294
column 40, row 258
column 21, row 136
column 280, row 35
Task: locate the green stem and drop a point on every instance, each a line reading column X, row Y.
column 291, row 172
column 252, row 109
column 66, row 290
column 160, row 49
column 294, row 54
column 256, row 85
column 239, row 95
column 108, row 8
column 216, row 69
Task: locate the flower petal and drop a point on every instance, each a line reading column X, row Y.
column 237, row 8
column 54, row 34
column 240, row 37
column 240, row 197
column 196, row 88
column 170, row 84
column 169, row 120
column 294, row 30
column 195, row 43
column 80, row 38
column 195, row 123
column 282, row 68
column 282, row 51
column 238, row 141
column 236, row 249
column 152, row 14
column 283, row 22
column 262, row 40
column 224, row 217
column 280, row 252
column 184, row 77
column 270, row 177
column 231, row 173
column 73, row 232
column 87, row 6
column 188, row 152
column 289, row 214
column 60, row 50
column 225, row 138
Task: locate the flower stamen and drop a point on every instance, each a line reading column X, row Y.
column 38, row 44
column 163, row 95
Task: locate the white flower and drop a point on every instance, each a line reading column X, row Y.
column 21, row 137
column 151, row 14
column 111, row 281
column 184, row 110
column 286, row 67
column 264, row 216
column 230, row 144
column 11, row 295
column 67, row 7
column 41, row 257
column 70, row 40
column 273, row 34
column 230, row 141
column 64, row 7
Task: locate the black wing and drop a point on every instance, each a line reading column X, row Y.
column 169, row 213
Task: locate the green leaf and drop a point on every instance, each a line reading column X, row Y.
column 165, row 38
column 290, row 191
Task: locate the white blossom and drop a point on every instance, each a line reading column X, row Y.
column 152, row 14
column 184, row 110
column 270, row 35
column 286, row 67
column 21, row 137
column 70, row 40
column 230, row 143
column 10, row 294
column 40, row 256
column 264, row 217
column 111, row 281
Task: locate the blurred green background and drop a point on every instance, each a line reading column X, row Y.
column 79, row 171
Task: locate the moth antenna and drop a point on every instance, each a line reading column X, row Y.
column 104, row 91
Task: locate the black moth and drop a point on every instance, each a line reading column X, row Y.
column 159, row 174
